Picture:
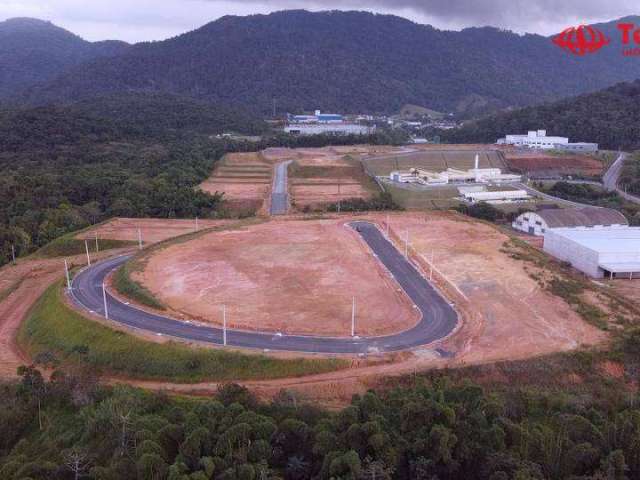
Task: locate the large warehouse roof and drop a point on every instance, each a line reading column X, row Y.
column 582, row 217
column 615, row 240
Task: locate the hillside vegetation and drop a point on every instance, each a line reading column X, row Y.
column 34, row 51
column 344, row 61
column 65, row 167
column 610, row 117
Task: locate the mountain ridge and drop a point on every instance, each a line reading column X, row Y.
column 346, row 61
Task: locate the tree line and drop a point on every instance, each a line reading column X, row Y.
column 69, row 427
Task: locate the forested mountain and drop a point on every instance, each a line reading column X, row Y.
column 33, row 51
column 345, row 61
column 610, row 117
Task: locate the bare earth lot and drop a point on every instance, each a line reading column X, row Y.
column 245, row 179
column 508, row 316
column 286, row 276
column 152, row 230
column 548, row 164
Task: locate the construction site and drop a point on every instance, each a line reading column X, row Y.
column 344, row 285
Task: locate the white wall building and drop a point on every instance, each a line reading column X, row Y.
column 599, row 253
column 329, row 129
column 538, row 223
column 538, row 139
column 534, row 139
column 504, row 196
column 454, row 176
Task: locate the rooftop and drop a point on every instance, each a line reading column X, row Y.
column 604, row 240
column 582, row 217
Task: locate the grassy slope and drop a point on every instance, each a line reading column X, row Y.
column 53, row 326
column 68, row 245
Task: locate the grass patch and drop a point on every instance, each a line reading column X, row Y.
column 125, row 285
column 54, row 327
column 67, row 246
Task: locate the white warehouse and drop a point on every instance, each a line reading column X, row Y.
column 538, row 139
column 599, row 253
column 537, row 223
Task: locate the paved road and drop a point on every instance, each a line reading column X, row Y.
column 438, row 317
column 612, row 176
column 546, row 196
column 279, row 194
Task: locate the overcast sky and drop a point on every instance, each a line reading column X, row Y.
column 138, row 20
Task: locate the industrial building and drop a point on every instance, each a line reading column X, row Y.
column 496, row 197
column 454, row 176
column 317, row 117
column 538, row 223
column 329, row 129
column 325, row 124
column 538, row 139
column 599, row 253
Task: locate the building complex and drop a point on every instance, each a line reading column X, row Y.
column 325, row 124
column 538, row 139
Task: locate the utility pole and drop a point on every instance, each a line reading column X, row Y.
column 406, row 245
column 104, row 298
column 431, row 269
column 139, row 239
column 66, row 274
column 13, row 253
column 353, row 317
column 97, row 247
column 224, row 325
column 86, row 247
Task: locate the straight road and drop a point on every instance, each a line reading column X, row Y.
column 279, row 193
column 438, row 317
column 610, row 178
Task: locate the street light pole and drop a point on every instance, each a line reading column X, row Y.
column 66, row 273
column 353, row 317
column 224, row 325
column 104, row 298
column 406, row 245
column 86, row 247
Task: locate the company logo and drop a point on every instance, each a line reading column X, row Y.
column 581, row 40
column 587, row 39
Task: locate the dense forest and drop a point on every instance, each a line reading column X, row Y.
column 610, row 117
column 70, row 428
column 352, row 62
column 132, row 155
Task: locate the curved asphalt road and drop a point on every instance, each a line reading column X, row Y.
column 438, row 317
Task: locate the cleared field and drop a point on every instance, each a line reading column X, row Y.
column 152, row 230
column 324, row 176
column 436, row 160
column 282, row 276
column 244, row 178
column 417, row 198
column 536, row 163
column 508, row 315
